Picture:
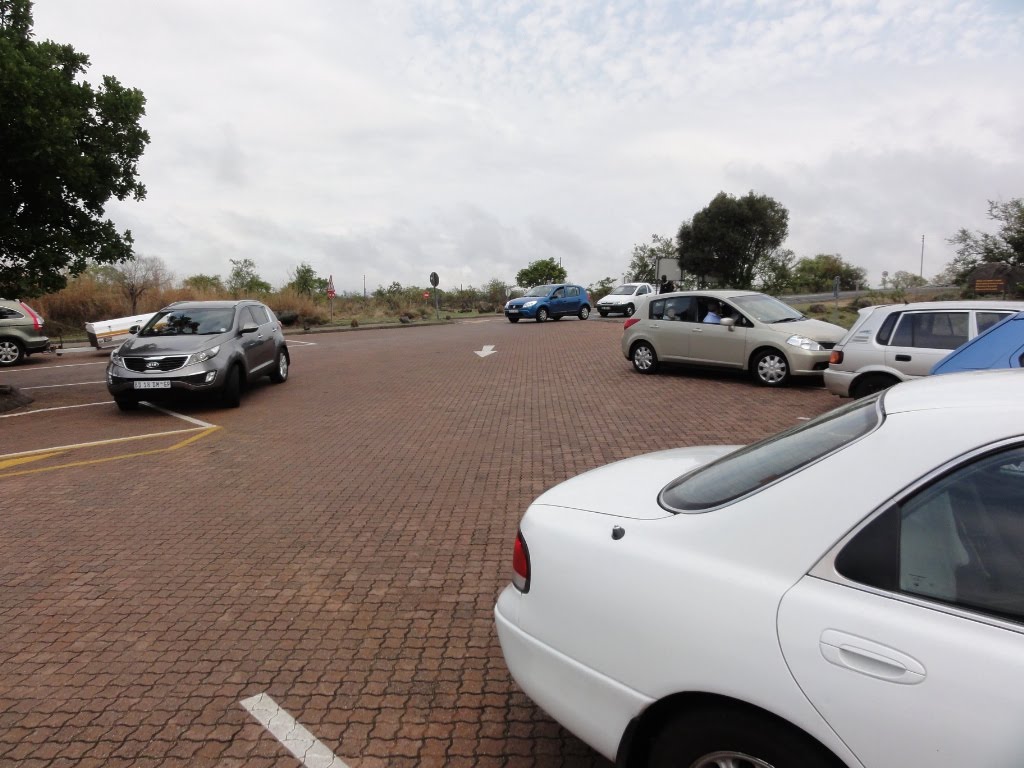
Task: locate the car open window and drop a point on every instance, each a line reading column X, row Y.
column 931, row 330
column 960, row 540
column 759, row 465
column 987, row 319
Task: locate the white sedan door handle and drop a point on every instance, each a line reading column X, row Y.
column 870, row 658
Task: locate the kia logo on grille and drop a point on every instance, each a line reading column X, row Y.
column 153, row 365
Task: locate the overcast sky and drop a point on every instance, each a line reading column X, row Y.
column 385, row 140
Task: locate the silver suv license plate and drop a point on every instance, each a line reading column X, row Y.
column 152, row 385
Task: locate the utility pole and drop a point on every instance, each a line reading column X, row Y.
column 922, row 256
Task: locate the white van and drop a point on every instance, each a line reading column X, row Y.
column 896, row 342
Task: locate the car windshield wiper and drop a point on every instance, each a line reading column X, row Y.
column 789, row 319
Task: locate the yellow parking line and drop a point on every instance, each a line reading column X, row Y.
column 30, row 456
column 27, row 459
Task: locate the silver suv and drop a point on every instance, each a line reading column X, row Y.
column 21, row 332
column 214, row 347
column 895, row 342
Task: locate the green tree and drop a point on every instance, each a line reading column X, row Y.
column 67, row 149
column 204, row 283
column 541, row 272
column 976, row 248
column 902, row 280
column 646, row 256
column 725, row 243
column 600, row 289
column 818, row 274
column 305, row 281
column 243, row 279
column 775, row 272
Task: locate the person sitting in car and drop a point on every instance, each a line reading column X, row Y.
column 714, row 314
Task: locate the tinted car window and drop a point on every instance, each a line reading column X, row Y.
column 885, row 332
column 657, row 309
column 189, row 321
column 754, row 467
column 260, row 314
column 959, row 541
column 572, row 290
column 987, row 319
column 931, row 330
column 7, row 314
column 680, row 308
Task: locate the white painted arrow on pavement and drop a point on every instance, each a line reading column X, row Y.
column 487, row 350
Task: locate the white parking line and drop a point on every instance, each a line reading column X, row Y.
column 307, row 748
column 44, row 410
column 29, row 369
column 54, row 386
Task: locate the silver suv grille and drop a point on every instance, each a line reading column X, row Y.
column 151, row 364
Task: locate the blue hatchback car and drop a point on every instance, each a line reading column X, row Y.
column 555, row 301
column 1001, row 346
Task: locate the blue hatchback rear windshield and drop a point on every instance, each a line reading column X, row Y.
column 761, row 464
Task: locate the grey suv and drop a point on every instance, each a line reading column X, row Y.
column 215, row 347
column 21, row 332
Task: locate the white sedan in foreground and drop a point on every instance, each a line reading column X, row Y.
column 848, row 593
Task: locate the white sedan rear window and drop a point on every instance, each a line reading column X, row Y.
column 756, row 466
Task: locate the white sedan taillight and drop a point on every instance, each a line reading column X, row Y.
column 521, row 565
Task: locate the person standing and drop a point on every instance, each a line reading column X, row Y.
column 666, row 285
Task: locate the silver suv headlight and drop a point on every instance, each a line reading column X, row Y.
column 804, row 343
column 116, row 359
column 202, row 357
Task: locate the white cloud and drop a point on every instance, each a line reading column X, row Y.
column 469, row 138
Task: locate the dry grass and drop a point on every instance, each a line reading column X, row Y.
column 87, row 300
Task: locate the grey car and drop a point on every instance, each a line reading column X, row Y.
column 742, row 330
column 21, row 332
column 199, row 347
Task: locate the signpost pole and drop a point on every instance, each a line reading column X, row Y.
column 434, row 280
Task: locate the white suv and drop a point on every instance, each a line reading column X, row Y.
column 896, row 342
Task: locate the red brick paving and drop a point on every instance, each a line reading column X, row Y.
column 338, row 544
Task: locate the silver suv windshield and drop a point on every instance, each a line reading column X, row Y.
column 767, row 309
column 198, row 322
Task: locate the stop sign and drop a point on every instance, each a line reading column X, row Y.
column 426, row 294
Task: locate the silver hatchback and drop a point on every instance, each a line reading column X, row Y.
column 891, row 343
column 728, row 329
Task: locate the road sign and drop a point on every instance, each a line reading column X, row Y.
column 434, row 279
column 330, row 287
column 426, row 294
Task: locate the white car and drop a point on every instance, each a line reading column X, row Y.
column 623, row 299
column 848, row 593
column 891, row 343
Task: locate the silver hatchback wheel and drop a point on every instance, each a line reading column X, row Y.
column 644, row 358
column 770, row 368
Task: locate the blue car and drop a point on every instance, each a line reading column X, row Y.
column 550, row 301
column 1001, row 346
